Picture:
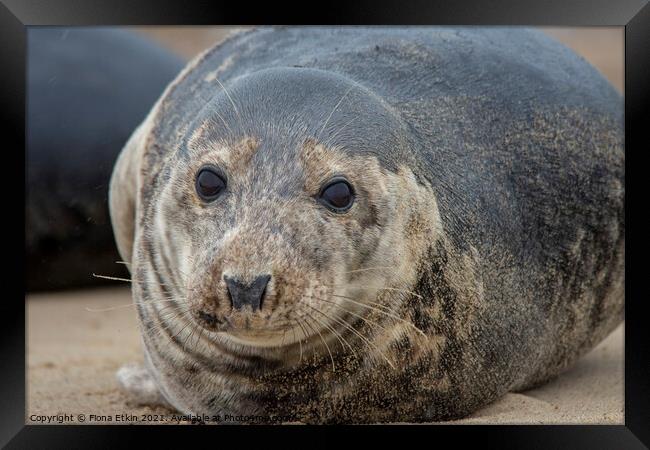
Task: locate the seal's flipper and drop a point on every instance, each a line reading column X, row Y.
column 136, row 381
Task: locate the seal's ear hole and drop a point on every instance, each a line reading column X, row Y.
column 210, row 183
column 337, row 195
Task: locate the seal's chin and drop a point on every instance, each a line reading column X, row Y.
column 257, row 338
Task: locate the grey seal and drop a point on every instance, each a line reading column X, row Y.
column 371, row 224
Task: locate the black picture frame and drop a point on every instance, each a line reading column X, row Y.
column 17, row 15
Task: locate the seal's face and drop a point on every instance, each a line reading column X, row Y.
column 268, row 247
column 275, row 236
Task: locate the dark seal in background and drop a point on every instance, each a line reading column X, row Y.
column 87, row 90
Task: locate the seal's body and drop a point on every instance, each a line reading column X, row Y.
column 362, row 225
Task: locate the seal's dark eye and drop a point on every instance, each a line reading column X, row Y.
column 337, row 195
column 209, row 184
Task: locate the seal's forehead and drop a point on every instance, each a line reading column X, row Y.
column 202, row 142
column 285, row 107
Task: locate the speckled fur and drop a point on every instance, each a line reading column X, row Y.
column 483, row 253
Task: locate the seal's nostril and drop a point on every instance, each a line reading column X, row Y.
column 251, row 294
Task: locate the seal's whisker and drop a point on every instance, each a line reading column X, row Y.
column 167, row 298
column 127, row 305
column 106, row 277
column 364, row 339
column 333, row 110
column 364, row 269
column 304, row 334
column 382, row 312
column 176, row 308
column 132, row 280
column 230, row 98
column 193, row 329
column 170, row 315
column 370, row 322
column 378, row 305
column 224, row 121
column 126, row 263
column 339, row 336
column 330, row 140
column 406, row 291
column 110, row 308
column 293, row 329
column 198, row 339
column 166, row 294
column 322, row 339
column 166, row 307
column 173, row 305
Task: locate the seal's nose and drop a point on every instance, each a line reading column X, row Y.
column 251, row 294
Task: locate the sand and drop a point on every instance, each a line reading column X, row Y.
column 73, row 354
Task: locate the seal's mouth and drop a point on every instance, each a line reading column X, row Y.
column 241, row 323
column 243, row 328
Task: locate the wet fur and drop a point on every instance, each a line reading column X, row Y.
column 490, row 198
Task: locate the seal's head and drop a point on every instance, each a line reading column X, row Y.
column 281, row 213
